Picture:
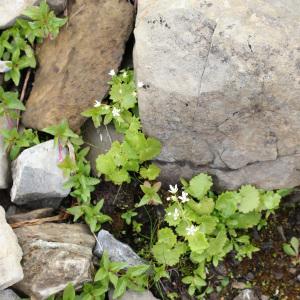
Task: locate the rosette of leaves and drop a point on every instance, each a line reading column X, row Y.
column 210, row 226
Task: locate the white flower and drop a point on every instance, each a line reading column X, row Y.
column 4, row 66
column 124, row 74
column 184, row 197
column 116, row 112
column 173, row 189
column 140, row 84
column 112, row 72
column 97, row 103
column 191, row 230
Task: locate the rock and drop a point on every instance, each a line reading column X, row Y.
column 298, row 278
column 74, row 68
column 220, row 80
column 131, row 295
column 247, row 294
column 5, row 176
column 238, row 285
column 116, row 250
column 99, row 139
column 31, row 215
column 9, row 295
column 12, row 9
column 37, row 179
column 10, row 255
column 54, row 254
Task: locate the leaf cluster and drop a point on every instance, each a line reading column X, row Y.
column 16, row 43
column 116, row 274
column 203, row 227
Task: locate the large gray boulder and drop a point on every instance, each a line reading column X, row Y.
column 221, row 88
column 54, row 255
column 12, row 9
column 10, row 255
column 37, row 179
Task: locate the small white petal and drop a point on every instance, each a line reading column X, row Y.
column 173, row 189
column 116, row 112
column 112, row 72
column 97, row 103
column 140, row 84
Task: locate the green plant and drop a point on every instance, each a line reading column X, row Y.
column 292, row 249
column 202, row 227
column 117, row 274
column 16, row 43
column 92, row 215
column 15, row 141
column 136, row 149
column 128, row 215
column 10, row 104
column 151, row 195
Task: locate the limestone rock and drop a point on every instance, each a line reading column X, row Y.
column 221, row 88
column 10, row 255
column 12, row 9
column 116, row 250
column 9, row 295
column 100, row 140
column 247, row 294
column 54, row 254
column 74, row 67
column 131, row 295
column 37, row 179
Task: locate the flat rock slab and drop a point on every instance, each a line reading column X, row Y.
column 247, row 294
column 117, row 251
column 10, row 255
column 37, row 179
column 12, row 9
column 221, row 88
column 54, row 254
column 74, row 68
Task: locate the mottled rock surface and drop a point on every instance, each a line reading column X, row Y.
column 30, row 215
column 99, row 139
column 54, row 254
column 74, row 67
column 10, row 255
column 9, row 295
column 37, row 179
column 116, row 250
column 221, row 88
column 11, row 9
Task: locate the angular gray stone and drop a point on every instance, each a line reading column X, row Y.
column 54, row 254
column 5, row 176
column 9, row 295
column 221, row 88
column 247, row 294
column 12, row 9
column 99, row 140
column 131, row 295
column 116, row 250
column 10, row 255
column 37, row 179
